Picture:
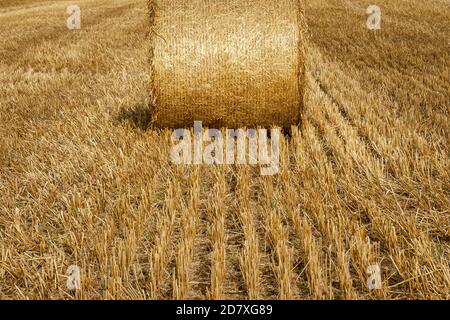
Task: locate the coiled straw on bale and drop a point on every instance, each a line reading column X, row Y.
column 228, row 63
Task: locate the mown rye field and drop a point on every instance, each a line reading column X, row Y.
column 85, row 181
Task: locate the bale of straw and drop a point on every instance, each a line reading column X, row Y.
column 228, row 63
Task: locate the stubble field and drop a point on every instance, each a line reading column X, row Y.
column 84, row 180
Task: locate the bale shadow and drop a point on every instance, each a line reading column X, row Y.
column 138, row 116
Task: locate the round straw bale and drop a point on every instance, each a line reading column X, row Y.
column 227, row 63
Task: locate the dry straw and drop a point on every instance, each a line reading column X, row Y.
column 231, row 63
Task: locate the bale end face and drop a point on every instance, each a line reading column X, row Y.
column 236, row 63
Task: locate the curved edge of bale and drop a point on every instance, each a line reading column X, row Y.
column 151, row 6
column 302, row 56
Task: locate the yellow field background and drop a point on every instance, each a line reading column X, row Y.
column 84, row 181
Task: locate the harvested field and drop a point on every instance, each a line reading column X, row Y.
column 85, row 181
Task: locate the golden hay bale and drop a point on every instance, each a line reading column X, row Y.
column 228, row 63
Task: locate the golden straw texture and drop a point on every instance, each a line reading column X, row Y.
column 228, row 63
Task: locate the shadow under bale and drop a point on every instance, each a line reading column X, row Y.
column 138, row 116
